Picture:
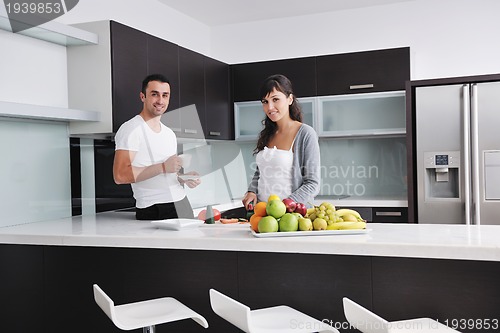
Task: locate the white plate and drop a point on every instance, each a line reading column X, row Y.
column 188, row 177
column 178, row 224
column 229, row 225
column 310, row 233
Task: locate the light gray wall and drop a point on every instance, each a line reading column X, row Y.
column 447, row 37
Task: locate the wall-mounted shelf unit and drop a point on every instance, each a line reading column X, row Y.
column 52, row 32
column 40, row 112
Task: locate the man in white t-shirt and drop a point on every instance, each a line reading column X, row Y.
column 146, row 157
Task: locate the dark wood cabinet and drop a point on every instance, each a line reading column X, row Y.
column 247, row 78
column 52, row 286
column 349, row 73
column 192, row 93
column 462, row 294
column 22, row 288
column 205, row 108
column 134, row 55
column 218, row 111
column 163, row 58
column 360, row 72
column 129, row 62
column 311, row 283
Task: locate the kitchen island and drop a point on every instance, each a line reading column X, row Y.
column 448, row 272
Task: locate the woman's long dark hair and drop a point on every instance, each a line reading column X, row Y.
column 280, row 83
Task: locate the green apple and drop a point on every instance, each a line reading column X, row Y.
column 299, row 216
column 289, row 222
column 305, row 224
column 276, row 208
column 268, row 224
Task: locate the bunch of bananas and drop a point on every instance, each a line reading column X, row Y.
column 326, row 217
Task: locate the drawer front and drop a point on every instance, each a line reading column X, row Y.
column 390, row 215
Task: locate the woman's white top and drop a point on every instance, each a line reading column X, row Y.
column 275, row 167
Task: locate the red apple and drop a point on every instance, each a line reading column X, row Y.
column 301, row 209
column 290, row 205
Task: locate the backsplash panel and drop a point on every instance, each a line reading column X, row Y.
column 371, row 168
column 374, row 167
column 35, row 171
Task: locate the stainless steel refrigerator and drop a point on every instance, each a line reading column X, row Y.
column 457, row 153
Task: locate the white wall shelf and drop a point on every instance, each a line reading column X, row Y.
column 52, row 32
column 30, row 111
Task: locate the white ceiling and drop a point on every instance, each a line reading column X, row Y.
column 221, row 12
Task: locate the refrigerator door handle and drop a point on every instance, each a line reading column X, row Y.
column 475, row 155
column 467, row 156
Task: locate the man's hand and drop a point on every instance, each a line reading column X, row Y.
column 173, row 164
column 191, row 182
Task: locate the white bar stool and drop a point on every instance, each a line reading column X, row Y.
column 368, row 322
column 145, row 314
column 277, row 319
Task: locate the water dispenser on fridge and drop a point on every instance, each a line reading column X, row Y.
column 442, row 175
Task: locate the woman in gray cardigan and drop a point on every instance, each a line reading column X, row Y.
column 287, row 152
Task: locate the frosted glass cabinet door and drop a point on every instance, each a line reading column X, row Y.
column 308, row 105
column 362, row 114
column 249, row 116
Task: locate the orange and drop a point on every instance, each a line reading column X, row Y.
column 260, row 209
column 254, row 222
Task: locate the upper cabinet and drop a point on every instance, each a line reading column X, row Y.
column 107, row 77
column 129, row 66
column 247, row 78
column 218, row 114
column 361, row 72
column 348, row 95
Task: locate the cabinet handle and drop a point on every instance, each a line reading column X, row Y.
column 388, row 213
column 190, row 131
column 214, row 133
column 361, row 86
column 175, row 129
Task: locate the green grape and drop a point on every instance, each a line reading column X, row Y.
column 321, row 215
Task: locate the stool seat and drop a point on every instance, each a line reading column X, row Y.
column 276, row 319
column 368, row 322
column 145, row 314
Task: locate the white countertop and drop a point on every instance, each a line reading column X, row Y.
column 120, row 229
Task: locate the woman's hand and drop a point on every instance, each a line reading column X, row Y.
column 249, row 198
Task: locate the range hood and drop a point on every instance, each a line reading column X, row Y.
column 52, row 31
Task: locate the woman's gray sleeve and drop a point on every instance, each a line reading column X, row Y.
column 253, row 187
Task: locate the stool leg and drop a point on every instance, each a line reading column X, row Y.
column 149, row 329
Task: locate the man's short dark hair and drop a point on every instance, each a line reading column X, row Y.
column 153, row 77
